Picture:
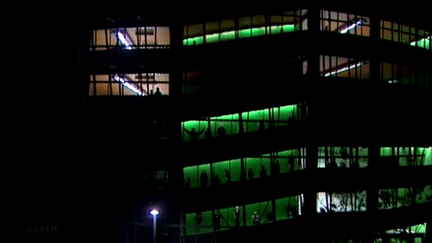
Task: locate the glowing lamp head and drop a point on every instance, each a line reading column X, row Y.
column 154, row 212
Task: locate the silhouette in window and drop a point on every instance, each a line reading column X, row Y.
column 237, row 216
column 291, row 163
column 204, row 179
column 227, row 176
column 158, row 93
column 198, row 221
column 193, row 135
column 250, row 173
column 217, row 220
column 255, row 218
column 270, row 216
column 276, row 168
column 292, row 211
column 221, row 131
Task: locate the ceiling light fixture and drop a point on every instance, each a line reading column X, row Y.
column 127, row 85
column 344, row 69
column 352, row 26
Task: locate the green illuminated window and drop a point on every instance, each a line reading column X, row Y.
column 286, row 208
column 423, row 43
column 405, row 34
column 415, row 229
column 199, row 223
column 255, row 167
column 403, row 197
column 343, row 157
column 409, row 156
column 243, row 33
column 229, row 124
column 226, row 171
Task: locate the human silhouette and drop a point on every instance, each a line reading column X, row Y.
column 221, row 131
column 217, row 220
column 255, row 218
column 292, row 211
column 263, row 172
column 250, row 173
column 204, row 179
column 270, row 216
column 291, row 163
column 227, row 176
column 193, row 135
column 158, row 93
column 276, row 168
column 237, row 216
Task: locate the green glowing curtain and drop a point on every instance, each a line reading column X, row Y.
column 244, row 33
column 232, row 166
column 286, row 207
column 405, row 152
column 192, row 174
column 428, row 156
column 230, row 122
column 284, row 210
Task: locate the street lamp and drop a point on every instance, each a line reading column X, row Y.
column 154, row 212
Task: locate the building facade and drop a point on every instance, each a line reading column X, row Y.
column 277, row 124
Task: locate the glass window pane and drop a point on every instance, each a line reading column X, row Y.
column 204, row 175
column 235, row 166
column 191, row 176
column 212, row 27
column 252, row 168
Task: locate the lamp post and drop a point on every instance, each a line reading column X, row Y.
column 154, row 212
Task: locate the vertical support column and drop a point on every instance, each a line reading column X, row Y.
column 310, row 195
column 313, row 52
column 176, row 79
column 372, row 192
column 428, row 236
column 374, row 38
column 309, row 207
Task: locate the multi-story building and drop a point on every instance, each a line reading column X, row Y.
column 291, row 123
